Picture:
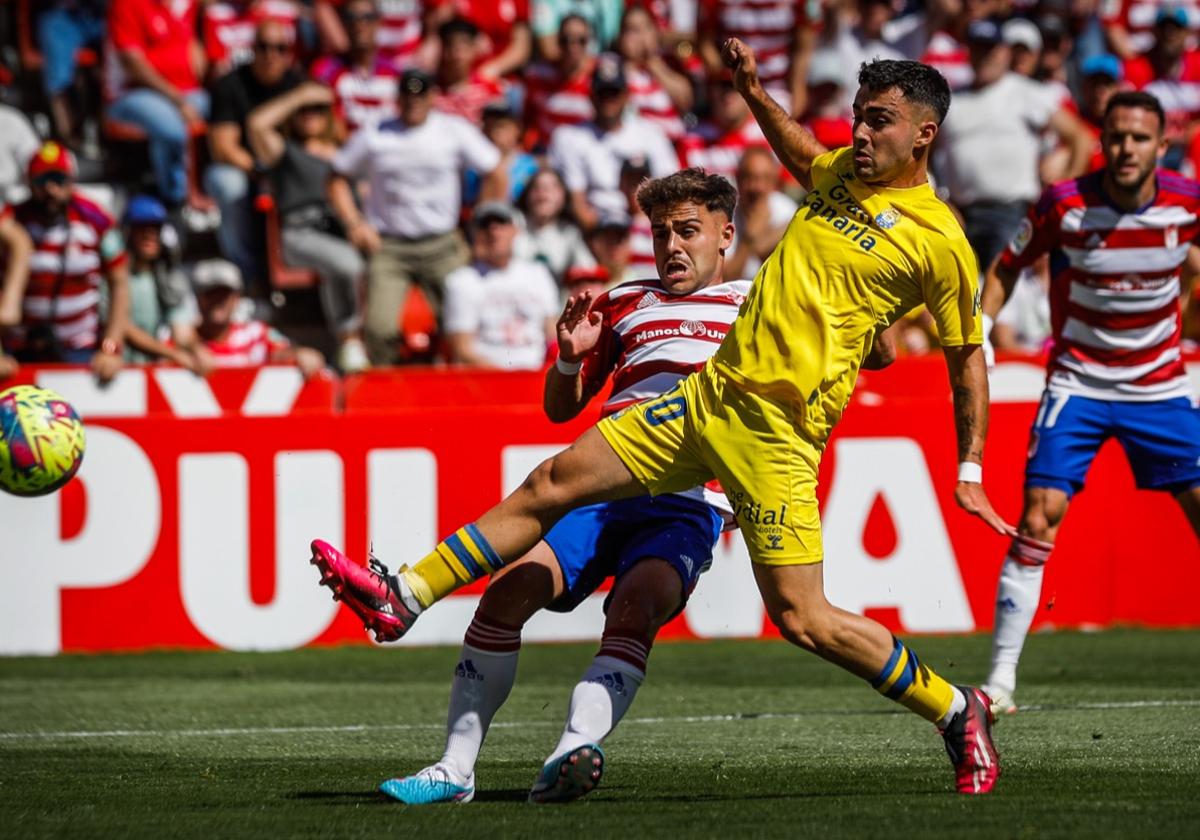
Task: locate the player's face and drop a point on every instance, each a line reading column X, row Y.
column 1133, row 142
column 888, row 132
column 689, row 242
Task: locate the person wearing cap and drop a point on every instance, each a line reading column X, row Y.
column 462, row 88
column 590, row 155
column 1170, row 72
column 76, row 248
column 1024, row 41
column 231, row 342
column 364, row 83
column 828, row 113
column 162, row 307
column 988, row 153
column 414, row 167
column 558, row 91
column 500, row 310
column 1100, row 77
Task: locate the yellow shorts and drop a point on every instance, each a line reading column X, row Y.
column 705, row 428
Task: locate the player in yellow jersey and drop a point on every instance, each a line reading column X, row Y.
column 870, row 243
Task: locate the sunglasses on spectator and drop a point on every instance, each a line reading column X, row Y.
column 278, row 47
column 362, row 17
column 59, row 179
column 576, row 40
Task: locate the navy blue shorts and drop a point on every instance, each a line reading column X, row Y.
column 595, row 542
column 1161, row 440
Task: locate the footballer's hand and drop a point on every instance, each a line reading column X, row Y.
column 578, row 328
column 739, row 58
column 971, row 498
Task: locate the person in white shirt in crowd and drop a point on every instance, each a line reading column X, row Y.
column 590, row 155
column 1025, row 41
column 414, row 167
column 988, row 150
column 500, row 310
column 612, row 245
column 18, row 142
column 856, row 32
column 762, row 213
column 550, row 233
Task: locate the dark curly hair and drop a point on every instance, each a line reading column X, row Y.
column 689, row 185
column 918, row 82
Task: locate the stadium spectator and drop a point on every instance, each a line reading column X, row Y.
column 611, row 244
column 403, row 35
column 18, row 142
column 162, row 308
column 506, row 42
column 946, row 47
column 558, row 92
column 782, row 34
column 590, row 155
column 1023, row 324
column 718, row 143
column 414, row 167
column 658, row 93
column 154, row 83
column 76, row 247
column 462, row 89
column 551, row 235
column 64, row 27
column 502, row 125
column 364, row 83
column 1100, row 77
column 228, row 178
column 17, row 248
column 292, row 138
column 827, row 113
column 603, row 19
column 231, row 26
column 856, row 32
column 235, row 343
column 634, row 171
column 1170, row 72
column 500, row 309
column 761, row 216
column 1025, row 46
column 989, row 147
column 1129, row 24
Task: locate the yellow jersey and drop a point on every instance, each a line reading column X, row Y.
column 855, row 258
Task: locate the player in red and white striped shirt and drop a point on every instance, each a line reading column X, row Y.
column 365, row 84
column 76, row 247
column 1117, row 241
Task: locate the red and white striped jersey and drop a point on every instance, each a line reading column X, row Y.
column 767, row 26
column 1179, row 95
column 468, row 99
column 652, row 339
column 400, row 29
column 361, row 97
column 948, row 56
column 229, row 27
column 247, row 344
column 719, row 152
column 551, row 101
column 1115, row 284
column 71, row 254
column 1137, row 18
column 652, row 101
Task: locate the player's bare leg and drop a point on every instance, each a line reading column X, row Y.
column 1019, row 591
column 1189, row 500
column 795, row 600
column 643, row 599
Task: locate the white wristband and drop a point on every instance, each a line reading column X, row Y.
column 567, row 368
column 970, row 471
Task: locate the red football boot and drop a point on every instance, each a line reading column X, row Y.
column 969, row 744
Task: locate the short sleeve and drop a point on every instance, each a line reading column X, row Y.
column 276, row 340
column 462, row 310
column 124, row 26
column 351, row 159
column 951, row 294
column 1034, row 236
column 112, row 248
column 1041, row 102
column 474, row 150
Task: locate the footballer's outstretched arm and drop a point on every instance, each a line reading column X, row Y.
column 969, row 385
column 793, row 144
column 578, row 332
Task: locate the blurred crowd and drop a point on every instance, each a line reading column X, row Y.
column 392, row 181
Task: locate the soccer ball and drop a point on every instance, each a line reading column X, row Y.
column 41, row 441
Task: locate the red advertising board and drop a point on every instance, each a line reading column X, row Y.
column 189, row 522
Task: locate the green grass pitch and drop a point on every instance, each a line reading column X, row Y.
column 729, row 739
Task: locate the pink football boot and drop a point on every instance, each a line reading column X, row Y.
column 381, row 600
column 969, row 744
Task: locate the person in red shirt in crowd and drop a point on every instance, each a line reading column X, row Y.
column 234, row 343
column 717, row 144
column 505, row 39
column 1170, row 71
column 463, row 90
column 364, row 83
column 561, row 93
column 826, row 116
column 76, row 247
column 946, row 49
column 404, row 35
column 229, row 27
column 658, row 93
column 782, row 34
column 1129, row 24
column 153, row 78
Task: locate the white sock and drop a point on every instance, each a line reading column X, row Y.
column 482, row 682
column 1017, row 599
column 958, row 704
column 599, row 701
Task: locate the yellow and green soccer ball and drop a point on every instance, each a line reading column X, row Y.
column 41, row 441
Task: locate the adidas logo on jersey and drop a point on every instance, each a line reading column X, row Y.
column 648, row 299
column 466, row 670
column 612, row 681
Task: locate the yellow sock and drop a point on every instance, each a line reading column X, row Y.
column 462, row 557
column 908, row 682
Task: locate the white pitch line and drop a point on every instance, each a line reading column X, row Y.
column 739, row 717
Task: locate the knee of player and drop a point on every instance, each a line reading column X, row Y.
column 805, row 631
column 548, row 485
